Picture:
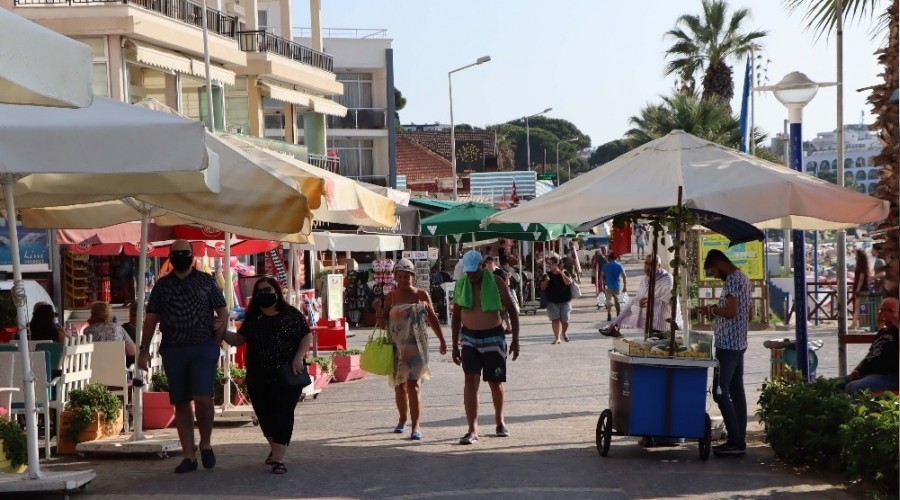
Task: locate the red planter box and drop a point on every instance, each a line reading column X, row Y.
column 331, row 339
column 158, row 412
column 320, row 380
column 347, row 368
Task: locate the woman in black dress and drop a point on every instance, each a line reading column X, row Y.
column 275, row 333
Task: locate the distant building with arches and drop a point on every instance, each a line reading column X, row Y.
column 861, row 148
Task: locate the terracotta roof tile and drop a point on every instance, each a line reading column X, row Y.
column 439, row 140
column 415, row 161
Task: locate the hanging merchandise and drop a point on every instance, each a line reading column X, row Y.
column 355, row 296
column 275, row 266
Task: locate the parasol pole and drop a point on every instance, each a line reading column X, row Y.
column 651, row 289
column 18, row 294
column 679, row 219
column 229, row 301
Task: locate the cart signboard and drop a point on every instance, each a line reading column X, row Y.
column 415, row 255
column 334, row 296
column 748, row 257
column 432, row 254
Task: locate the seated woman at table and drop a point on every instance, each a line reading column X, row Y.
column 43, row 324
column 102, row 329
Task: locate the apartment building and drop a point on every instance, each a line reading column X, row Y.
column 860, row 149
column 363, row 138
column 155, row 49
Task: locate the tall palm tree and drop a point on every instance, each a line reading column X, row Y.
column 707, row 119
column 704, row 44
column 821, row 16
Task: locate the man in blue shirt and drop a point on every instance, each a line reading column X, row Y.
column 611, row 273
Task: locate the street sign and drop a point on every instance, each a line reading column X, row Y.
column 550, row 176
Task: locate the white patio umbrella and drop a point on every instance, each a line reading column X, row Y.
column 58, row 155
column 62, row 77
column 715, row 179
column 252, row 195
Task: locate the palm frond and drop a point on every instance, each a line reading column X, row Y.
column 821, row 15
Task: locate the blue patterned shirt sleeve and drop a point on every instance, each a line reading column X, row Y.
column 731, row 333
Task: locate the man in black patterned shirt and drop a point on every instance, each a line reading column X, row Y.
column 191, row 311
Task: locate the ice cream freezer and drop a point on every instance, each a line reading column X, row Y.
column 656, row 397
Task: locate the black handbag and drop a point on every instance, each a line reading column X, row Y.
column 287, row 376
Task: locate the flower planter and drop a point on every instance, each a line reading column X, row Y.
column 158, row 412
column 347, row 368
column 99, row 428
column 6, row 465
column 320, row 379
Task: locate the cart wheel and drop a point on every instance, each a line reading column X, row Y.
column 705, row 444
column 604, row 432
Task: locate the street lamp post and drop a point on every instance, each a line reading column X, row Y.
column 795, row 91
column 480, row 60
column 528, row 136
column 557, row 158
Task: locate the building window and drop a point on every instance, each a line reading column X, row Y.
column 811, row 167
column 873, row 175
column 860, row 162
column 100, row 68
column 824, row 165
column 357, row 90
column 262, row 19
column 834, row 164
column 870, row 161
column 871, row 188
column 357, row 157
column 848, row 162
column 860, row 175
column 237, row 107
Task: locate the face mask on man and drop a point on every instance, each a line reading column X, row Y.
column 267, row 299
column 181, row 260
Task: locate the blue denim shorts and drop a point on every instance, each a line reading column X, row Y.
column 191, row 370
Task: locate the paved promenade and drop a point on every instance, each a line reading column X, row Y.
column 343, row 446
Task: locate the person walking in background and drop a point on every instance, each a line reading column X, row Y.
column 43, row 324
column 476, row 327
column 614, row 284
column 102, row 329
column 559, row 298
column 276, row 334
column 662, row 309
column 862, row 275
column 640, row 238
column 879, row 369
column 732, row 317
column 191, row 312
column 409, row 313
column 597, row 262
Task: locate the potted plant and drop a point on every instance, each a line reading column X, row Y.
column 159, row 413
column 91, row 413
column 239, row 386
column 13, row 450
column 346, row 365
column 321, row 369
column 8, row 328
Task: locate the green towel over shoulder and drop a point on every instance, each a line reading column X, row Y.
column 490, row 294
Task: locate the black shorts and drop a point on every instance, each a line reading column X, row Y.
column 484, row 352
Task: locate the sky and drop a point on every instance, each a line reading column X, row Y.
column 595, row 62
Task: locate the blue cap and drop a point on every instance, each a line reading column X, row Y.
column 471, row 261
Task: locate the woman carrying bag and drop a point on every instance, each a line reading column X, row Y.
column 408, row 311
column 278, row 338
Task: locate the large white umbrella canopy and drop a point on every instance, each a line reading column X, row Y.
column 108, row 149
column 60, row 74
column 715, row 179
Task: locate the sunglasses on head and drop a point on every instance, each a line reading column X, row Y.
column 181, row 253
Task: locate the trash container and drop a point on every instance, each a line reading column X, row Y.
column 868, row 310
column 784, row 352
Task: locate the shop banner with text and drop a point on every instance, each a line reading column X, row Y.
column 748, row 257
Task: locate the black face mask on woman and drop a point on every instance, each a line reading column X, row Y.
column 266, row 299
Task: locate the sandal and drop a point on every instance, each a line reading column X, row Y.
column 566, row 338
column 279, row 468
column 269, row 460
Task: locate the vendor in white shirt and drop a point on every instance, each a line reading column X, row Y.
column 662, row 311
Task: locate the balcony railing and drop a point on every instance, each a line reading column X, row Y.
column 360, row 118
column 329, row 163
column 263, row 41
column 185, row 11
